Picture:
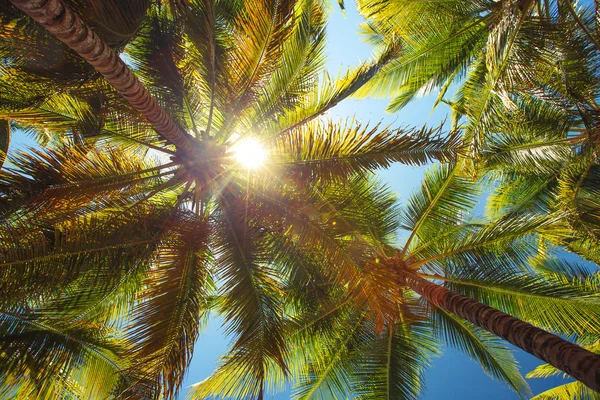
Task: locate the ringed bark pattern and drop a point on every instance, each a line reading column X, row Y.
column 576, row 361
column 60, row 20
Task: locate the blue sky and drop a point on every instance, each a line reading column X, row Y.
column 453, row 375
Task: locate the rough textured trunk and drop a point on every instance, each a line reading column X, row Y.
column 70, row 29
column 581, row 364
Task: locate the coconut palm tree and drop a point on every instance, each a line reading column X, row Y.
column 502, row 55
column 439, row 288
column 95, row 230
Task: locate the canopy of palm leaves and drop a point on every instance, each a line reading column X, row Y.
column 116, row 243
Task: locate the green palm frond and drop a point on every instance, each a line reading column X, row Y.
column 71, row 179
column 511, row 235
column 521, row 194
column 328, row 373
column 328, row 93
column 494, row 356
column 251, row 302
column 172, row 303
column 49, row 259
column 430, row 57
column 45, row 357
column 302, row 58
column 330, row 150
column 562, row 307
column 568, row 391
column 392, row 365
column 579, row 186
column 444, row 198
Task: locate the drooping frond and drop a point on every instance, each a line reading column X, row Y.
column 494, row 356
column 444, row 198
column 171, row 304
column 251, row 304
column 392, row 365
column 54, row 358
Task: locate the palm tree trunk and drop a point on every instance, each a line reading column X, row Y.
column 580, row 363
column 69, row 28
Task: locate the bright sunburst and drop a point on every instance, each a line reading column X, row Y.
column 249, row 153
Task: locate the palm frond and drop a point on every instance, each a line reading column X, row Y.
column 494, row 356
column 328, row 150
column 172, row 303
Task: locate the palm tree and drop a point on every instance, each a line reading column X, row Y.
column 94, row 230
column 363, row 340
column 502, row 56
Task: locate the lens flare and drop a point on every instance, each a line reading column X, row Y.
column 249, row 153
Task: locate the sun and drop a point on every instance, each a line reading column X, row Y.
column 249, row 153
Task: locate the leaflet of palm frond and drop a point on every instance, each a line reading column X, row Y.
column 489, row 351
column 444, row 198
column 579, row 187
column 47, row 358
column 172, row 303
column 322, row 150
column 562, row 307
column 4, row 140
column 116, row 21
column 47, row 260
column 231, row 381
column 252, row 292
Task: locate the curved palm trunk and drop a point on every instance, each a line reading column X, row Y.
column 580, row 363
column 70, row 29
